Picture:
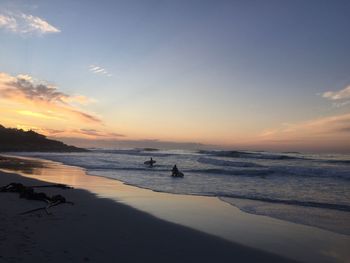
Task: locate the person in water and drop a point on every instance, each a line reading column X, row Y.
column 175, row 171
column 151, row 162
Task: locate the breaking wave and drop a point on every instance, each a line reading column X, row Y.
column 255, row 155
column 219, row 162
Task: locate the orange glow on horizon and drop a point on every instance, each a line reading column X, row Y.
column 53, row 114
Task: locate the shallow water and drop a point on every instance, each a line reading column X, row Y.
column 304, row 188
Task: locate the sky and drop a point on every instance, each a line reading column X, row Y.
column 258, row 75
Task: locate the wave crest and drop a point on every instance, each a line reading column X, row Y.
column 219, row 162
column 255, row 155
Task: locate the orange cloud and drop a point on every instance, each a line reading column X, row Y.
column 45, row 98
column 330, row 133
column 37, row 114
column 326, row 126
column 27, row 103
column 78, row 133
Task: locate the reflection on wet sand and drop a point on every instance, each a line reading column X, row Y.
column 19, row 165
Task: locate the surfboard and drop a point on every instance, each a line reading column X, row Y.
column 149, row 162
column 179, row 174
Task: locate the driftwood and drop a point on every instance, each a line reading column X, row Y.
column 28, row 192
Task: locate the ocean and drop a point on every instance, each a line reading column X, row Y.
column 310, row 189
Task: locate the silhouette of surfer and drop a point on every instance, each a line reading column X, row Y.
column 150, row 162
column 175, row 171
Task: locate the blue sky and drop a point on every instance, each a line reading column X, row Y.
column 217, row 72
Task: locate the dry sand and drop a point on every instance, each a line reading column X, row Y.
column 101, row 230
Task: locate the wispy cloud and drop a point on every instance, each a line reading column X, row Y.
column 46, row 99
column 97, row 133
column 99, row 70
column 8, row 22
column 328, row 125
column 25, row 24
column 343, row 94
column 330, row 133
column 80, row 133
column 317, row 127
column 341, row 104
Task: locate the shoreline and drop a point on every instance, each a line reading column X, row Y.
column 241, row 204
column 210, row 215
column 100, row 230
column 278, row 209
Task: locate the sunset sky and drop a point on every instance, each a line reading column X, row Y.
column 272, row 75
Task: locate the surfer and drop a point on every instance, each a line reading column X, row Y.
column 175, row 171
column 150, row 162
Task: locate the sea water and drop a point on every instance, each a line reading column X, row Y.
column 311, row 189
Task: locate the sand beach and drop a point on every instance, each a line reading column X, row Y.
column 97, row 229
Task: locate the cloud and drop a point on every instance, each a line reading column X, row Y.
column 328, row 125
column 45, row 98
column 78, row 99
column 8, row 22
column 37, row 114
column 318, row 127
column 85, row 133
column 82, row 133
column 86, row 116
column 99, row 70
column 24, row 24
column 31, row 91
column 324, row 134
column 341, row 104
column 48, row 131
column 97, row 133
column 343, row 94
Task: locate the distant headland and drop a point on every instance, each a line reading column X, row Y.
column 18, row 140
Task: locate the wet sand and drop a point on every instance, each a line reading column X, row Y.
column 101, row 230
